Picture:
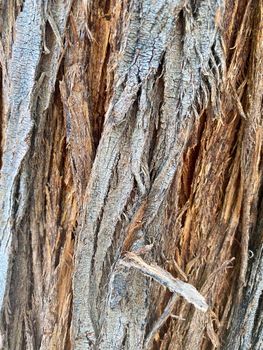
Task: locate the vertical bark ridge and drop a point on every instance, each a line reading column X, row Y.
column 19, row 124
column 220, row 196
column 31, row 89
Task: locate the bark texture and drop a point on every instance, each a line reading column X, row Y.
column 131, row 127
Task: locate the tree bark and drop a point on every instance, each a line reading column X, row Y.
column 131, row 177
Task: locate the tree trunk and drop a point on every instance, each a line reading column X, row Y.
column 131, row 174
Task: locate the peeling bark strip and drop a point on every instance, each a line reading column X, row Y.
column 161, row 321
column 131, row 127
column 166, row 279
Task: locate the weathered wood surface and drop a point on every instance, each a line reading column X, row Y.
column 130, row 127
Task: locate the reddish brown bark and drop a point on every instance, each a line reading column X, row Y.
column 131, row 126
